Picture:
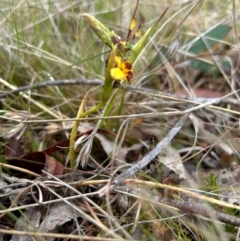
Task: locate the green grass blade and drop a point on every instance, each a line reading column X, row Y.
column 208, row 39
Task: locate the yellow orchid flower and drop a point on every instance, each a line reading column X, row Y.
column 122, row 71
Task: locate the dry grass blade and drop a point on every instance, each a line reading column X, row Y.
column 41, row 106
column 57, row 235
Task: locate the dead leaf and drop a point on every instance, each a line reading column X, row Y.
column 52, row 166
column 12, row 146
column 172, row 160
column 58, row 214
column 28, row 222
column 36, row 161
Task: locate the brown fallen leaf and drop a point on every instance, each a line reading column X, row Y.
column 52, row 166
column 37, row 161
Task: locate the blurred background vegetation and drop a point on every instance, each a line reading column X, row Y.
column 43, row 40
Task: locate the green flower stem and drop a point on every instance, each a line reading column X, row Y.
column 107, row 90
column 75, row 129
column 108, row 107
column 123, row 91
column 108, row 83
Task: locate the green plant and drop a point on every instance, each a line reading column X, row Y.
column 119, row 68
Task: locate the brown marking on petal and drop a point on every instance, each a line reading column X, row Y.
column 129, row 75
column 127, row 78
column 127, row 68
column 128, row 65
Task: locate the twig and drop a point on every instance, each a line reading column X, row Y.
column 52, row 83
column 202, row 209
column 97, row 82
column 152, row 154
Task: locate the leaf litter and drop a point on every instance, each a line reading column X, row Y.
column 173, row 166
